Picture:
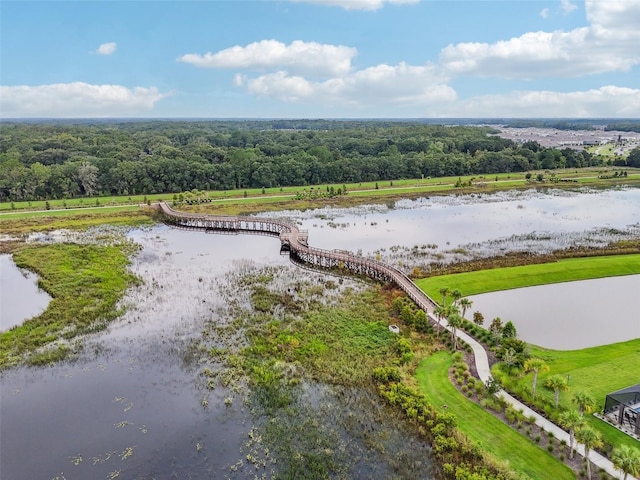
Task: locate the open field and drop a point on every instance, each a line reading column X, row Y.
column 27, row 222
column 566, row 270
column 504, row 443
column 585, row 176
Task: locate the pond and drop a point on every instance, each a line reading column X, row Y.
column 20, row 297
column 568, row 316
column 131, row 404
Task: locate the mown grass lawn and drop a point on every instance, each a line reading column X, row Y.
column 597, row 371
column 565, row 270
column 500, row 440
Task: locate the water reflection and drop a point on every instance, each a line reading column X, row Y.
column 20, row 297
column 481, row 225
column 568, row 316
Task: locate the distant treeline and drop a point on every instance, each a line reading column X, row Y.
column 66, row 159
column 624, row 127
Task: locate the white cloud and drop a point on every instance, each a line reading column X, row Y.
column 567, row 7
column 609, row 43
column 357, row 4
column 607, row 101
column 77, row 99
column 383, row 85
column 298, row 57
column 614, row 14
column 107, row 48
column 544, row 13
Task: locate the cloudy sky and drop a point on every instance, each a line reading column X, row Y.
column 320, row 58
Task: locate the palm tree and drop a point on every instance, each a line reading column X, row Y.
column 571, row 420
column 456, row 295
column 557, row 383
column 465, row 304
column 535, row 365
column 455, row 322
column 591, row 439
column 627, row 459
column 440, row 312
column 584, row 401
column 444, row 291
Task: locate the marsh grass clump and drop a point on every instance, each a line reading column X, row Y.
column 85, row 281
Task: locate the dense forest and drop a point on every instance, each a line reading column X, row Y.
column 67, row 159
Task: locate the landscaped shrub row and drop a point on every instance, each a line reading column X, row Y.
column 458, row 457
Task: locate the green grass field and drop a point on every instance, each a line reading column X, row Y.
column 566, row 270
column 598, row 371
column 504, row 443
column 373, row 189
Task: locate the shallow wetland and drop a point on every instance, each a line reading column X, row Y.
column 135, row 403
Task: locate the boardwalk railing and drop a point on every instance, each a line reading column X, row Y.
column 295, row 241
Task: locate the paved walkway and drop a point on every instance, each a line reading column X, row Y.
column 484, row 372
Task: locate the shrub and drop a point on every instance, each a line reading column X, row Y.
column 386, row 374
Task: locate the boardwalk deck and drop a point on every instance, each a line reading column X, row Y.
column 295, row 241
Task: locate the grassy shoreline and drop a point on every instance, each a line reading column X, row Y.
column 564, row 270
column 85, row 283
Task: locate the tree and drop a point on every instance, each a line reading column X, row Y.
column 591, row 439
column 633, row 160
column 510, row 359
column 496, row 329
column 440, row 312
column 455, row 322
column 456, row 295
column 444, row 291
column 557, row 383
column 88, row 177
column 478, row 318
column 626, row 459
column 535, row 365
column 465, row 304
column 509, row 330
column 571, row 420
column 585, row 402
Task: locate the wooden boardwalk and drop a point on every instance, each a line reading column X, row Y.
column 295, row 241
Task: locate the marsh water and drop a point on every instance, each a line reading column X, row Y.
column 130, row 404
column 20, row 297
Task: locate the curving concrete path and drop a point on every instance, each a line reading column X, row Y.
column 296, row 241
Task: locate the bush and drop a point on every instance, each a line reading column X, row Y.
column 386, row 374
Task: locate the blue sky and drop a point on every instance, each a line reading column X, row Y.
column 320, row 58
